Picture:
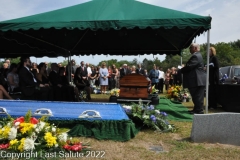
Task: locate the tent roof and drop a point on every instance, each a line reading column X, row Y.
column 102, row 27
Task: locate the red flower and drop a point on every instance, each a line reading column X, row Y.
column 4, row 146
column 67, row 147
column 76, row 147
column 33, row 120
column 20, row 119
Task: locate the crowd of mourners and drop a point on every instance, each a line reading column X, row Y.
column 65, row 83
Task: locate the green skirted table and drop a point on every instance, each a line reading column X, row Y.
column 120, row 130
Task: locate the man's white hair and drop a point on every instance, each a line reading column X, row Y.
column 197, row 46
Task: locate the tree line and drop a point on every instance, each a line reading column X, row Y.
column 227, row 53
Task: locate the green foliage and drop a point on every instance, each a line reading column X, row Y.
column 28, row 116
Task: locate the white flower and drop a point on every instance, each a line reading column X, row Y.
column 157, row 111
column 37, row 130
column 40, row 126
column 53, row 129
column 56, row 145
column 127, row 107
column 12, row 133
column 17, row 123
column 63, row 137
column 170, row 126
column 145, row 117
column 28, row 144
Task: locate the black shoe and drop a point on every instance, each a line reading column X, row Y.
column 194, row 112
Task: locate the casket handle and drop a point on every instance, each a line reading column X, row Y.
column 43, row 112
column 90, row 114
column 3, row 110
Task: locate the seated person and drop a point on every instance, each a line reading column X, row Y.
column 3, row 75
column 3, row 92
column 42, row 78
column 13, row 79
column 28, row 83
column 62, row 92
column 81, row 83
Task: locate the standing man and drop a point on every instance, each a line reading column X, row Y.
column 72, row 70
column 153, row 75
column 194, row 78
column 124, row 71
column 89, row 71
column 140, row 70
column 161, row 80
column 84, row 73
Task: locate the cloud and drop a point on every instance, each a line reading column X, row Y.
column 196, row 5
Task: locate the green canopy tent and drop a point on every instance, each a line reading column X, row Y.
column 114, row 27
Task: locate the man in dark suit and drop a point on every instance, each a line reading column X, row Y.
column 84, row 73
column 194, row 78
column 140, row 70
column 124, row 71
column 71, row 69
column 28, row 83
column 179, row 76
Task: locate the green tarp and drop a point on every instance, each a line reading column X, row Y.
column 115, row 27
column 175, row 110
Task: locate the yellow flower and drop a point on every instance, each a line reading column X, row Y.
column 12, row 142
column 5, row 131
column 115, row 92
column 26, row 127
column 20, row 147
column 51, row 140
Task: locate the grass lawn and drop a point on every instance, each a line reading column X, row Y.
column 170, row 145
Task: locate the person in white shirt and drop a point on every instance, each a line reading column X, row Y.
column 161, row 80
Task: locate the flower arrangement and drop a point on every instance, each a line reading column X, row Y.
column 184, row 95
column 30, row 134
column 149, row 116
column 178, row 93
column 115, row 92
column 153, row 90
column 174, row 92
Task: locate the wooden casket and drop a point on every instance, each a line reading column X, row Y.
column 134, row 87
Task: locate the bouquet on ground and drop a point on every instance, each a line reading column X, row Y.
column 185, row 95
column 115, row 92
column 149, row 116
column 174, row 92
column 30, row 134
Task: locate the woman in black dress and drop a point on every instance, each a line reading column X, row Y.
column 97, row 82
column 82, row 84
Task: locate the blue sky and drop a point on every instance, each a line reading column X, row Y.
column 225, row 20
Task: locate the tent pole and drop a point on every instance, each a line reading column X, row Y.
column 207, row 78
